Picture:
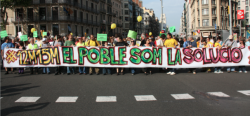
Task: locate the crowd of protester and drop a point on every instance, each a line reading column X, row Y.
column 145, row 41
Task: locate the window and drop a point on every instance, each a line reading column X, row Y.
column 247, row 15
column 126, row 18
column 198, row 2
column 126, row 12
column 238, row 8
column 246, row 8
column 198, row 12
column 42, row 13
column 125, row 5
column 76, row 30
column 213, row 2
column 213, row 22
column 204, row 1
column 199, row 23
column 213, row 11
column 246, row 2
column 30, row 13
column 205, row 22
column 55, row 29
column 204, row 11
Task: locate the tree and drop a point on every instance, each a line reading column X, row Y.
column 5, row 4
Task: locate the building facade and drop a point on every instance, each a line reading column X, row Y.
column 117, row 16
column 151, row 23
column 244, row 5
column 127, row 16
column 203, row 15
column 61, row 17
column 163, row 22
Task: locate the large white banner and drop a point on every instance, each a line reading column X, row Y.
column 127, row 57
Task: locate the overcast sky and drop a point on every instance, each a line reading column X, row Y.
column 171, row 8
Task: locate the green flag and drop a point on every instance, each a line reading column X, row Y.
column 34, row 33
column 3, row 34
column 172, row 29
column 102, row 37
column 24, row 38
column 44, row 33
column 162, row 34
column 132, row 34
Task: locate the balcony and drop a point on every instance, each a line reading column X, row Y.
column 103, row 22
column 114, row 14
column 102, row 10
column 109, row 2
column 94, row 23
column 90, row 22
column 109, row 13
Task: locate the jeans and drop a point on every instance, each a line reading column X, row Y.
column 242, row 68
column 172, row 70
column 133, row 70
column 21, row 70
column 217, row 69
column 232, row 68
column 104, row 70
column 46, row 68
column 70, row 68
column 82, row 70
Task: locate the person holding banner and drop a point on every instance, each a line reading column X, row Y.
column 191, row 44
column 6, row 44
column 81, row 43
column 70, row 42
column 33, row 46
column 132, row 44
column 170, row 43
column 159, row 41
column 45, row 45
column 217, row 70
column 105, row 70
column 58, row 43
column 242, row 46
column 146, row 69
column 231, row 43
column 93, row 43
column 120, row 43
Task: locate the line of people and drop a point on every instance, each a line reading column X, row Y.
column 163, row 41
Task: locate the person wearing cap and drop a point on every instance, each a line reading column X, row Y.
column 6, row 44
column 33, row 46
column 45, row 45
column 231, row 43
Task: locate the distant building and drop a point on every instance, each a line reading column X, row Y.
column 163, row 21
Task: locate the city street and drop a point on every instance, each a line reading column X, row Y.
column 159, row 94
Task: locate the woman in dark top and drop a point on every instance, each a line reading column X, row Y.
column 120, row 43
column 145, row 69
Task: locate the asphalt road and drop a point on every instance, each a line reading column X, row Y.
column 86, row 88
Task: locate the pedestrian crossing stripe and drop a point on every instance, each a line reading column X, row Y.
column 106, row 99
column 28, row 99
column 218, row 94
column 145, row 98
column 67, row 99
column 182, row 96
column 245, row 92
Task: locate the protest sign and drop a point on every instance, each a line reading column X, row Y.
column 132, row 34
column 34, row 33
column 3, row 34
column 24, row 38
column 102, row 37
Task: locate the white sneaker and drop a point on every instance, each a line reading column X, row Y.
column 240, row 71
column 220, row 71
column 216, row 72
column 169, row 73
column 245, row 71
column 173, row 73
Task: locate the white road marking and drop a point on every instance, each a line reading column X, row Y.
column 106, row 99
column 66, row 99
column 145, row 98
column 28, row 99
column 245, row 92
column 182, row 96
column 218, row 94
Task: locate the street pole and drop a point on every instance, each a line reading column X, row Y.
column 18, row 22
column 230, row 13
column 161, row 15
column 240, row 28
